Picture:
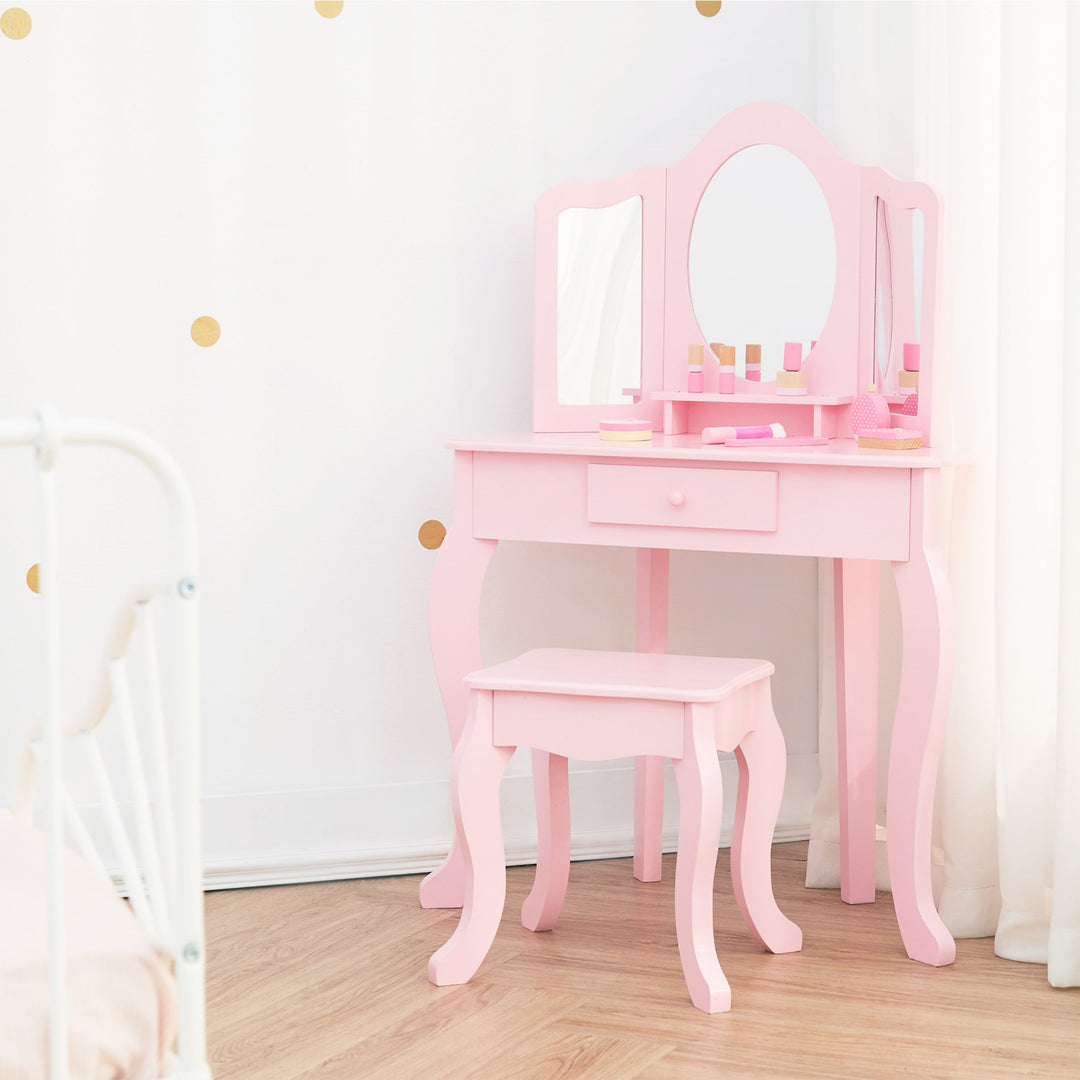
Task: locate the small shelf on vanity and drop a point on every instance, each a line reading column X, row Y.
column 752, row 399
column 677, row 404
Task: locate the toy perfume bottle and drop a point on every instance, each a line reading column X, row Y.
column 695, row 378
column 753, row 363
column 725, row 354
column 869, row 410
column 791, row 382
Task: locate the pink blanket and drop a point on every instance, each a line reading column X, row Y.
column 121, row 997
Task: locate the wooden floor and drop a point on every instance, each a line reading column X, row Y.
column 329, row 981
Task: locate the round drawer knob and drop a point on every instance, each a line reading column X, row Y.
column 676, row 498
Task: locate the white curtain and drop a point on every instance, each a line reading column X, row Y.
column 992, row 120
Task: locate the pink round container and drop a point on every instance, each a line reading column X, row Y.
column 869, row 410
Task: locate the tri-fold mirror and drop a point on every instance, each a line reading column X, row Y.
column 762, row 234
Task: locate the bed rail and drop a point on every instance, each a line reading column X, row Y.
column 164, row 880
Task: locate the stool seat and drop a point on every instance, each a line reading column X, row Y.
column 577, row 703
column 649, row 676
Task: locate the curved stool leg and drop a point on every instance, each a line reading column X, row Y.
column 700, row 809
column 474, row 788
column 762, row 759
column 551, row 786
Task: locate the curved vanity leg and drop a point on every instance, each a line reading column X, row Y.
column 650, row 636
column 921, row 712
column 551, row 785
column 856, row 590
column 762, row 758
column 701, row 806
column 474, row 784
column 454, row 631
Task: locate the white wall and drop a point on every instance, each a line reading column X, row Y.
column 352, row 199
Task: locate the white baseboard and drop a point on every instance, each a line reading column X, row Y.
column 288, row 837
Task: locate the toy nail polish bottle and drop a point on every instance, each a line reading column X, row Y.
column 909, row 377
column 791, row 382
column 753, row 363
column 725, row 354
column 695, row 379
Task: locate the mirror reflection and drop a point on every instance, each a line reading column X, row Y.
column 898, row 275
column 883, row 300
column 598, row 307
column 762, row 256
column 917, row 227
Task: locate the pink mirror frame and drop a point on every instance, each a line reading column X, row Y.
column 839, row 366
column 548, row 414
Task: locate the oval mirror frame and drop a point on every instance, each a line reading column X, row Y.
column 832, row 368
column 762, row 259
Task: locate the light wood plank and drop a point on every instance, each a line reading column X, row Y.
column 329, row 981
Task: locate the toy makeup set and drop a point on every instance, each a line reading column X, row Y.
column 869, row 419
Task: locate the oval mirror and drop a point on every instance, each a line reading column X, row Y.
column 762, row 256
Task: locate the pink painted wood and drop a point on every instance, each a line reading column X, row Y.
column 548, row 414
column 856, row 514
column 597, row 705
column 551, row 785
column 836, row 501
column 760, row 753
column 830, row 371
column 534, row 487
column 475, row 773
column 842, row 361
column 551, row 788
column 902, row 197
column 455, row 635
column 855, row 589
column 922, row 706
column 650, row 636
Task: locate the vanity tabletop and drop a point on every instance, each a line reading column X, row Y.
column 844, row 452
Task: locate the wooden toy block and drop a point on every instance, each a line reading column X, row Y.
column 791, row 383
column 890, row 439
column 909, row 382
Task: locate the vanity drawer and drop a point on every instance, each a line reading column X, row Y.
column 741, row 499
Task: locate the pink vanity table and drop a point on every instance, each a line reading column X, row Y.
column 561, row 484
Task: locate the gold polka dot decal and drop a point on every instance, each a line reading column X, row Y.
column 329, row 9
column 32, row 582
column 432, row 534
column 708, row 8
column 15, row 23
column 205, row 331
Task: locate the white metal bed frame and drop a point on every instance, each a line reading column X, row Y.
column 164, row 886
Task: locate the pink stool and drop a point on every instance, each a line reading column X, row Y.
column 597, row 705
